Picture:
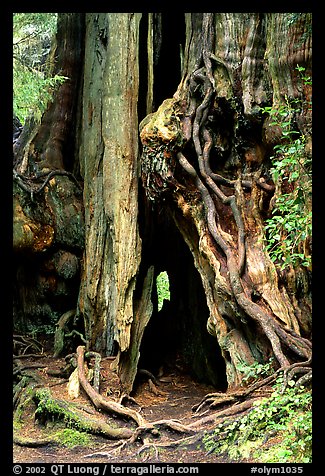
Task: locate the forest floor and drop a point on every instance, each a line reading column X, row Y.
column 173, row 398
column 177, row 394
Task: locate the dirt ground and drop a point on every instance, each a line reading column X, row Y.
column 173, row 398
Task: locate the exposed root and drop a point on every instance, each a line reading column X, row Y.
column 149, row 447
column 24, row 343
column 149, row 375
column 33, row 443
column 213, row 400
column 172, row 425
column 218, row 417
column 128, row 398
column 115, row 448
column 100, row 402
column 47, row 406
column 206, row 184
column 153, row 389
column 230, row 407
column 295, row 369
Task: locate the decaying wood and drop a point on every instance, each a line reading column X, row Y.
column 47, row 404
column 32, row 442
column 127, row 361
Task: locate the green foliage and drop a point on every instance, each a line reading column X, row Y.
column 34, row 24
column 290, row 226
column 255, row 371
column 163, row 292
column 285, row 416
column 32, row 88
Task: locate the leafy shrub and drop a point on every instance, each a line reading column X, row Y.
column 255, row 371
column 290, row 227
column 286, row 416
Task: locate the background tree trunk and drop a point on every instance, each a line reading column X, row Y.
column 48, row 224
column 156, row 206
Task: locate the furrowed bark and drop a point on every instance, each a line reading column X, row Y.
column 108, row 154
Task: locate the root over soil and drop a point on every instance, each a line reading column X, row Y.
column 162, row 417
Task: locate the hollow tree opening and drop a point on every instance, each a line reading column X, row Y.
column 183, row 146
column 176, row 337
column 169, row 36
column 163, row 291
column 161, row 52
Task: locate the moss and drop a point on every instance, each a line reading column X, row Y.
column 163, row 126
column 59, row 411
column 25, row 406
column 71, row 438
column 48, row 406
column 68, row 214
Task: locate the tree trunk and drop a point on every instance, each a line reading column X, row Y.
column 48, row 225
column 206, row 156
column 189, row 196
column 109, row 165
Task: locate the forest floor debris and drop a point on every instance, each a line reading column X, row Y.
column 177, row 395
column 177, row 402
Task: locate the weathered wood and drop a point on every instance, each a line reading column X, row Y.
column 127, row 364
column 205, row 162
column 100, row 402
column 233, row 65
column 109, row 154
column 47, row 405
column 48, row 233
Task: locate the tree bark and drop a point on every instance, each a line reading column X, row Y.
column 48, row 223
column 108, row 160
column 216, row 111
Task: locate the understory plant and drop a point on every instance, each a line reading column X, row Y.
column 289, row 229
column 256, row 370
column 33, row 85
column 283, row 420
